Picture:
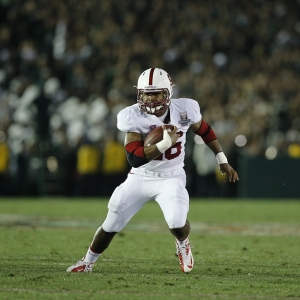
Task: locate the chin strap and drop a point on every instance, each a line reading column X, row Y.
column 167, row 119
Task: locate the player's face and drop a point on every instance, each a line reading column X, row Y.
column 153, row 103
column 153, row 97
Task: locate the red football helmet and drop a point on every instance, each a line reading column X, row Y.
column 152, row 81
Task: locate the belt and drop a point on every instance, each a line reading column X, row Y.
column 156, row 174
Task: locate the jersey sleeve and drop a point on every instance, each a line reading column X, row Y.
column 125, row 121
column 194, row 111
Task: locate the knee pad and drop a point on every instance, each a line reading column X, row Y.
column 114, row 222
column 176, row 219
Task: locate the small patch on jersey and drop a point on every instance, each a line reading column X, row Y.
column 152, row 127
column 184, row 121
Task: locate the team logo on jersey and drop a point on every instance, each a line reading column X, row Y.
column 152, row 127
column 184, row 121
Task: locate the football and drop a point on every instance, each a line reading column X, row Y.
column 156, row 135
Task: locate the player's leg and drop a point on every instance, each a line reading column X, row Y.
column 173, row 200
column 174, row 203
column 183, row 232
column 124, row 203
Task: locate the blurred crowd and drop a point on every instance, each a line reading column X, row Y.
column 68, row 67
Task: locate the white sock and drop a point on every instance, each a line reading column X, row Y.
column 91, row 256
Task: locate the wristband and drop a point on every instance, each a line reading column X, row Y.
column 166, row 143
column 221, row 158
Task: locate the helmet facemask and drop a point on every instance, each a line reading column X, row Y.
column 153, row 106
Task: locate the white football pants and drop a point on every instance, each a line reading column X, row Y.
column 167, row 189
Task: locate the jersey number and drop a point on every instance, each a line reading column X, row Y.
column 168, row 153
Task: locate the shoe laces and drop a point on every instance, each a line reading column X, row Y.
column 185, row 247
column 88, row 264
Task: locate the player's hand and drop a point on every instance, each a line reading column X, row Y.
column 232, row 174
column 173, row 135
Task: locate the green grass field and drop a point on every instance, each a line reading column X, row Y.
column 243, row 249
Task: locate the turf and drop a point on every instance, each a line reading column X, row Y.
column 243, row 249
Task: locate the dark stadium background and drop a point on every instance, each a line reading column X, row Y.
column 68, row 67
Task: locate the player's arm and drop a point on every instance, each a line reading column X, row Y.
column 138, row 155
column 208, row 135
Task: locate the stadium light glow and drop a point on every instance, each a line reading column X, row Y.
column 241, row 140
column 52, row 164
column 271, row 153
column 198, row 140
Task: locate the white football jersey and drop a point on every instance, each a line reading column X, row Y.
column 183, row 113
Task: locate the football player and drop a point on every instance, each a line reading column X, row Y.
column 157, row 170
